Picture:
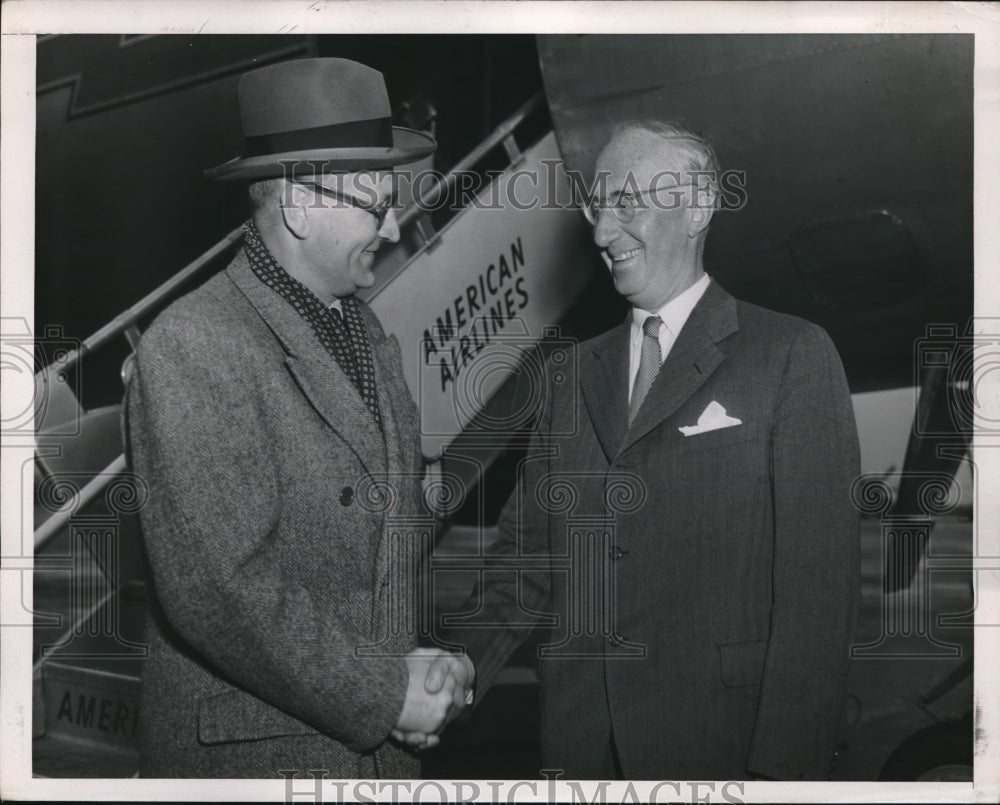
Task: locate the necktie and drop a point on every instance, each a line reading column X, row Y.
column 649, row 364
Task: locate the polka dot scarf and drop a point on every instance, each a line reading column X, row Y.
column 342, row 335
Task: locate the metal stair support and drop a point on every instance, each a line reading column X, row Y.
column 126, row 321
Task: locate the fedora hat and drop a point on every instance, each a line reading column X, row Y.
column 318, row 115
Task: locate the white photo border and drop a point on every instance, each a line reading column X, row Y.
column 24, row 19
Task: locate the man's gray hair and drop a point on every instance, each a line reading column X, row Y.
column 263, row 194
column 695, row 152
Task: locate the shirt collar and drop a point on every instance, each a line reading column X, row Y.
column 675, row 312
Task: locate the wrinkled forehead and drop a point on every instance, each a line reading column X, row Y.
column 638, row 157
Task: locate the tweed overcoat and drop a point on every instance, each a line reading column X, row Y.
column 704, row 587
column 272, row 642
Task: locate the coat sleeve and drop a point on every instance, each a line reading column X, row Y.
column 197, row 437
column 816, row 565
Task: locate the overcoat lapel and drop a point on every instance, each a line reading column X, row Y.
column 692, row 360
column 392, row 399
column 388, row 371
column 324, row 384
column 604, row 384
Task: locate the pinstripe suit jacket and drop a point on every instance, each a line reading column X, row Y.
column 705, row 587
column 271, row 643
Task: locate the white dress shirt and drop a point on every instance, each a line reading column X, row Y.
column 674, row 314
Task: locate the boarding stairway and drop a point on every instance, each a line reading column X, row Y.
column 88, row 588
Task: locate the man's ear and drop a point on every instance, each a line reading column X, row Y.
column 700, row 212
column 295, row 209
column 698, row 220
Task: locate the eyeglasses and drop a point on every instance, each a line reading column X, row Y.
column 625, row 205
column 380, row 210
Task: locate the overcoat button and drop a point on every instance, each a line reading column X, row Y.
column 346, row 496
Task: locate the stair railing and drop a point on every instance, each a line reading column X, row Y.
column 125, row 323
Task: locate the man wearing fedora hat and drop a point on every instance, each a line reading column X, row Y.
column 268, row 414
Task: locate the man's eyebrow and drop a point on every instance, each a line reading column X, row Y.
column 623, row 192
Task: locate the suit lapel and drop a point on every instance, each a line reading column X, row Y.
column 693, row 358
column 604, row 384
column 324, row 384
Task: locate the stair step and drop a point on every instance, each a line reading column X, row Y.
column 91, row 705
column 63, row 756
column 87, row 688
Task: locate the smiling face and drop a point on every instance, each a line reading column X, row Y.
column 656, row 255
column 343, row 239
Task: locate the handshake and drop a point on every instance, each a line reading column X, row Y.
column 439, row 687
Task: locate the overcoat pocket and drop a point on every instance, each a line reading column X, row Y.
column 236, row 716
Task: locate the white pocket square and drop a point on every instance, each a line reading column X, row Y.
column 712, row 418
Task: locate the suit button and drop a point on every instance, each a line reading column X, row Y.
column 346, row 496
column 616, row 553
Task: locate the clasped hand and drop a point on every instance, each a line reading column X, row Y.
column 435, row 694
